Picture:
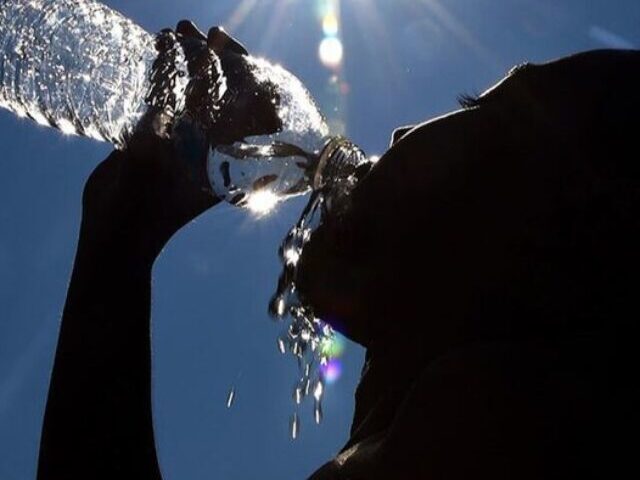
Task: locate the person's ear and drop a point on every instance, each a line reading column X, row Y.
column 400, row 132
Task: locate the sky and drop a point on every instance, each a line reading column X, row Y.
column 384, row 63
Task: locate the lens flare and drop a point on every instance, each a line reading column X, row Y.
column 331, row 52
column 330, row 25
column 332, row 371
column 333, row 347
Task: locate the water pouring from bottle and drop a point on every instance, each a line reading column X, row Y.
column 82, row 68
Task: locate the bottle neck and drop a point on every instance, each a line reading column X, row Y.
column 339, row 159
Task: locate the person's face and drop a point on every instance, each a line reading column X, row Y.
column 475, row 213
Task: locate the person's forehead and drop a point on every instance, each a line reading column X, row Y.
column 581, row 71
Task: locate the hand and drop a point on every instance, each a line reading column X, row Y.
column 141, row 196
column 223, row 97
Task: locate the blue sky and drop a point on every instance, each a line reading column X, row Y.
column 404, row 61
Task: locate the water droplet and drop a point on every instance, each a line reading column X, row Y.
column 295, row 426
column 307, row 387
column 281, row 346
column 231, row 396
column 317, row 412
column 318, row 390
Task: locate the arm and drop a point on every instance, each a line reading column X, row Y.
column 98, row 420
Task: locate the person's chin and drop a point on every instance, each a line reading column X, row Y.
column 332, row 285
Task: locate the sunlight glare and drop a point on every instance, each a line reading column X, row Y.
column 262, row 202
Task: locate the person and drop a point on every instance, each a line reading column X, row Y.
column 486, row 263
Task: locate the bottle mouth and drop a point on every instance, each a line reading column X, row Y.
column 338, row 160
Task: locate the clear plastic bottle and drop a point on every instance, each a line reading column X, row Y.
column 75, row 65
column 261, row 169
column 85, row 69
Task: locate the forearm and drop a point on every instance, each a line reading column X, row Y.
column 98, row 421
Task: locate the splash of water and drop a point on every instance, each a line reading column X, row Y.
column 341, row 166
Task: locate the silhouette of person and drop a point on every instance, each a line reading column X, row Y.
column 487, row 263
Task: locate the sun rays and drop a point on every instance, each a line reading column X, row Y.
column 458, row 30
column 240, row 14
column 367, row 17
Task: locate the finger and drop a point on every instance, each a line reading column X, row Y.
column 193, row 42
column 219, row 41
column 188, row 29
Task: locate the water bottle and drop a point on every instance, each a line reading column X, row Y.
column 81, row 67
column 75, row 65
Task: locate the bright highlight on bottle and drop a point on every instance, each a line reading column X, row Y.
column 66, row 127
column 262, row 202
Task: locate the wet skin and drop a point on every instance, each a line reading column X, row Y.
column 487, row 263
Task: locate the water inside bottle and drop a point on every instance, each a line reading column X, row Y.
column 272, row 167
column 75, row 65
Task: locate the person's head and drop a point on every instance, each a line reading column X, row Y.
column 514, row 216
